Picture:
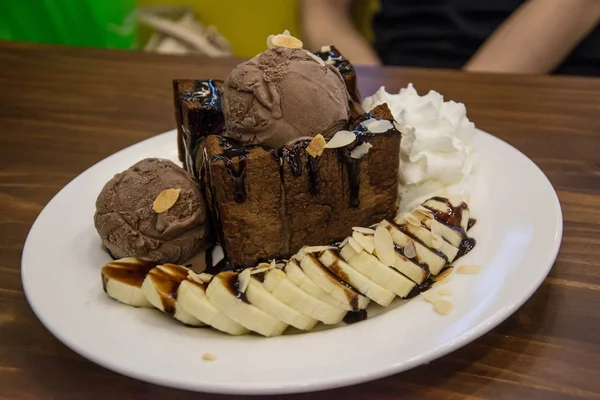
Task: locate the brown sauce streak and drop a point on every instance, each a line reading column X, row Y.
column 232, row 283
column 166, row 284
column 352, row 294
column 352, row 317
column 132, row 274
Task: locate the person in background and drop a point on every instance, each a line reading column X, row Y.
column 506, row 36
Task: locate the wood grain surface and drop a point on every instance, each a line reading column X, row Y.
column 64, row 109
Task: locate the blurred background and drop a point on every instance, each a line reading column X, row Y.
column 241, row 25
column 506, row 36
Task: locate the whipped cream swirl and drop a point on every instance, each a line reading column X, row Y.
column 437, row 157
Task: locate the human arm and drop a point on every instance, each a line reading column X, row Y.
column 326, row 22
column 537, row 37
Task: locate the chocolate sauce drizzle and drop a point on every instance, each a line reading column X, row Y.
column 209, row 120
column 312, row 166
column 233, row 285
column 231, row 150
column 353, row 171
column 293, row 156
column 352, row 317
column 452, row 218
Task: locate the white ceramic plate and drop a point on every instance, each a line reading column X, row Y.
column 518, row 234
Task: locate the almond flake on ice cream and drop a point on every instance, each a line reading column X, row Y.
column 165, row 200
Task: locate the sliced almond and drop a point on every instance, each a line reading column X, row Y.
column 468, row 269
column 206, row 278
column 316, row 58
column 409, row 250
column 316, row 146
column 444, row 274
column 165, row 200
column 367, row 231
column 283, row 40
column 384, row 246
column 341, row 139
column 380, row 126
column 317, row 249
column 343, row 242
column 423, row 211
column 259, row 270
column 244, row 280
column 368, row 122
column 360, row 151
column 354, row 244
column 411, row 219
column 443, row 307
column 430, row 296
column 445, row 292
column 366, row 242
column 208, row 357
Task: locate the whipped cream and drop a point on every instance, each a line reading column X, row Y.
column 437, row 157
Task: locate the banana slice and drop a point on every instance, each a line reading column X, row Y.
column 160, row 288
column 222, row 291
column 262, row 298
column 428, row 238
column 332, row 284
column 413, row 271
column 299, row 278
column 435, row 261
column 277, row 282
column 344, row 271
column 122, row 280
column 379, row 273
column 191, row 296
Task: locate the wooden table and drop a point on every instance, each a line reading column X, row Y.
column 64, row 109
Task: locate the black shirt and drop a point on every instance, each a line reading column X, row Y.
column 446, row 33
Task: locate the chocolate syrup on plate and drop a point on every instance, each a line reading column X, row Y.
column 355, row 316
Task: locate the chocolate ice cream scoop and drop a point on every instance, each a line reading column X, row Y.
column 133, row 223
column 283, row 95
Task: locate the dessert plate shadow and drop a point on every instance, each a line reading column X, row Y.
column 518, row 234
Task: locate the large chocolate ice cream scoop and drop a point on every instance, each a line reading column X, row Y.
column 132, row 222
column 283, row 95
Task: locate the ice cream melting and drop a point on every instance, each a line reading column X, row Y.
column 283, row 95
column 436, row 153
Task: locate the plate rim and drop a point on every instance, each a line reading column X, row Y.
column 323, row 384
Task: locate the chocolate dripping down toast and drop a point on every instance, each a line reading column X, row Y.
column 268, row 203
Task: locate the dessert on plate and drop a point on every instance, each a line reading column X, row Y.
column 322, row 202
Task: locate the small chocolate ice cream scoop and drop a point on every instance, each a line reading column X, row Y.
column 153, row 211
column 283, row 95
